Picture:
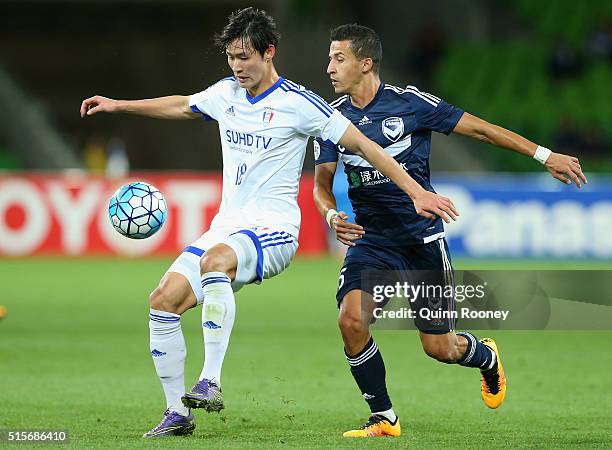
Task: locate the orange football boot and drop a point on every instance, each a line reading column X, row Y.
column 493, row 385
column 376, row 426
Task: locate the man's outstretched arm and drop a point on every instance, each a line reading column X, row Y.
column 171, row 107
column 563, row 167
column 427, row 204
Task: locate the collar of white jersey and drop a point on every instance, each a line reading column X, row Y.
column 253, row 100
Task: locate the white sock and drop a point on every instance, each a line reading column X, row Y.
column 218, row 313
column 389, row 414
column 168, row 351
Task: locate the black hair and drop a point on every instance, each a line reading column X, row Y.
column 364, row 42
column 254, row 26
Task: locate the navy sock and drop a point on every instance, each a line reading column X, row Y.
column 477, row 354
column 368, row 369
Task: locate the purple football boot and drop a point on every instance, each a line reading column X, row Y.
column 173, row 424
column 205, row 394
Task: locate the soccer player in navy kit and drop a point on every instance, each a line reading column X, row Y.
column 390, row 234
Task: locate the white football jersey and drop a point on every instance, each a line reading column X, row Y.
column 264, row 142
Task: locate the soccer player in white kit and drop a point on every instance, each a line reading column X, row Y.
column 264, row 123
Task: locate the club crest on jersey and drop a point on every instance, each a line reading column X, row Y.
column 393, row 128
column 267, row 115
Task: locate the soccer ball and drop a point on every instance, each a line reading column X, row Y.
column 137, row 210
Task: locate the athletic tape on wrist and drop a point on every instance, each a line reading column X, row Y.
column 541, row 154
column 328, row 217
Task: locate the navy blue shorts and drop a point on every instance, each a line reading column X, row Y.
column 366, row 266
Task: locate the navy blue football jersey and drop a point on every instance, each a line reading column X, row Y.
column 401, row 122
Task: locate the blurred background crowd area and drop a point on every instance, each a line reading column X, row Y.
column 543, row 69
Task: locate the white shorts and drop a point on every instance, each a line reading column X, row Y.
column 262, row 252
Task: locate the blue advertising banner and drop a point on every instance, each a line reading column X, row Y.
column 522, row 215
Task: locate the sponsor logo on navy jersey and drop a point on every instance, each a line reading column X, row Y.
column 355, row 178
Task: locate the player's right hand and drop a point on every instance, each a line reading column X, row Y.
column 346, row 232
column 96, row 104
column 429, row 204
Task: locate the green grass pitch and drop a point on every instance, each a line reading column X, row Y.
column 74, row 356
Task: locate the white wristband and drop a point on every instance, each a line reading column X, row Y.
column 541, row 154
column 328, row 217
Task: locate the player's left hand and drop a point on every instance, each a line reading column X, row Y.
column 429, row 204
column 346, row 232
column 565, row 168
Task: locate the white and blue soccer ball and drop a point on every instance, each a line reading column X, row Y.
column 137, row 210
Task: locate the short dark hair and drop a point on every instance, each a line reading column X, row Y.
column 365, row 43
column 253, row 26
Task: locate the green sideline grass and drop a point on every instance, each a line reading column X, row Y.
column 74, row 355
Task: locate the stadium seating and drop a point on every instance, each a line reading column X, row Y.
column 509, row 82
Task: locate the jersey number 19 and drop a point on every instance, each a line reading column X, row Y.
column 242, row 168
